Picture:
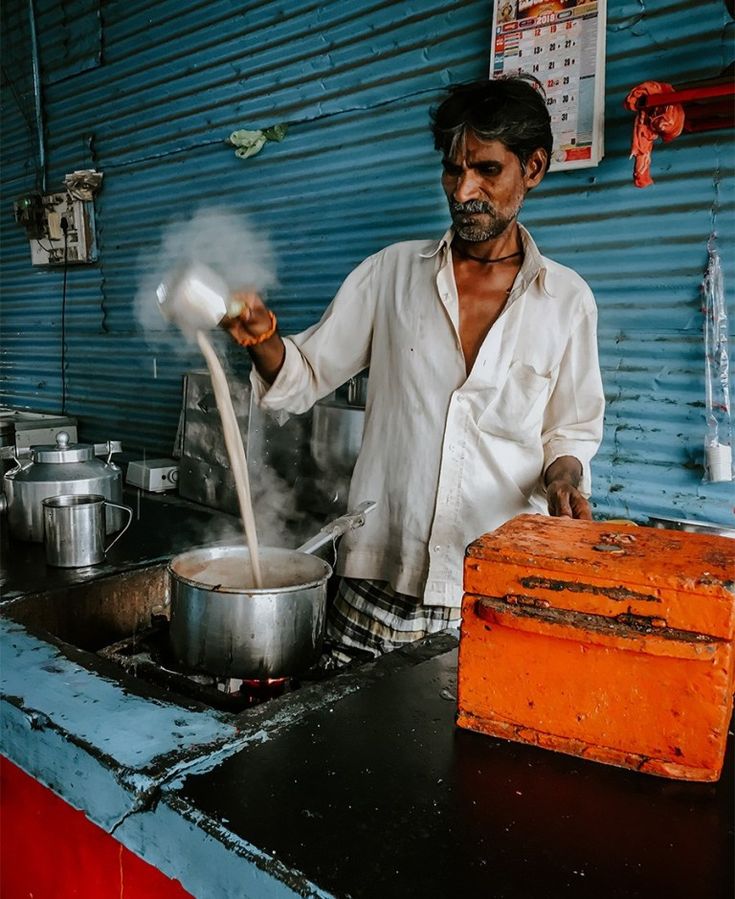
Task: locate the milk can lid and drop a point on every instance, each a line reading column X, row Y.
column 63, row 451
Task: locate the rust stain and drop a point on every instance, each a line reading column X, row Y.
column 619, row 594
column 626, row 624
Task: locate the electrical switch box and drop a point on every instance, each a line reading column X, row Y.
column 65, row 232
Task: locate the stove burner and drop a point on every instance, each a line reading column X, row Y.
column 146, row 655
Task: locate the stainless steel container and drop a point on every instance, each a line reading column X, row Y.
column 357, row 390
column 220, row 627
column 63, row 468
column 336, row 436
column 74, row 529
column 693, row 527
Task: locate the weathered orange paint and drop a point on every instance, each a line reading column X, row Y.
column 601, row 640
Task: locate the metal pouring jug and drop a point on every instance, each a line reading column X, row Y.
column 194, row 297
column 74, row 529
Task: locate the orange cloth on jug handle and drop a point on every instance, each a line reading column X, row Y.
column 666, row 122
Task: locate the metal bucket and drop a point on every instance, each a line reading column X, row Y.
column 231, row 631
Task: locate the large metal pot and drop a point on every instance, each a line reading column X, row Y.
column 336, row 436
column 63, row 468
column 276, row 631
column 357, row 390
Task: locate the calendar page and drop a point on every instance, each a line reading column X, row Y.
column 562, row 44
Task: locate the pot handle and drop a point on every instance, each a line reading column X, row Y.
column 18, row 454
column 335, row 529
column 127, row 524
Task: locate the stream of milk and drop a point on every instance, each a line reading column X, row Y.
column 235, row 451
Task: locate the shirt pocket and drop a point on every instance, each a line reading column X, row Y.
column 517, row 411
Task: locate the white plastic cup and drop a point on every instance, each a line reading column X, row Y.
column 719, row 462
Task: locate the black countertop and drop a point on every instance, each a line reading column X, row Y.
column 162, row 526
column 380, row 795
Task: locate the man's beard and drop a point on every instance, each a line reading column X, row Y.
column 473, row 229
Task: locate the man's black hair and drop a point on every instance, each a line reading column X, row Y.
column 509, row 110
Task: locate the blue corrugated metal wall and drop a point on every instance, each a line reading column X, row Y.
column 147, row 94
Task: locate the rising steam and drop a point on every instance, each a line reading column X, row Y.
column 225, row 241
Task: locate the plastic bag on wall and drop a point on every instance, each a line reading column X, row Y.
column 718, row 437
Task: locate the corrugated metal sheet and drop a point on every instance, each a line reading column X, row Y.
column 355, row 172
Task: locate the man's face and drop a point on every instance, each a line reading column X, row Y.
column 485, row 186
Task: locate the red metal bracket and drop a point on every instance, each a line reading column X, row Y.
column 708, row 105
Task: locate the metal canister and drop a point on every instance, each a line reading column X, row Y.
column 357, row 390
column 336, row 436
column 62, row 468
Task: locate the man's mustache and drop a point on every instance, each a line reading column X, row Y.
column 471, row 207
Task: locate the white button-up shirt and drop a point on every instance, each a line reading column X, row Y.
column 448, row 456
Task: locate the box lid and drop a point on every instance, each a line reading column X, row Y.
column 682, row 581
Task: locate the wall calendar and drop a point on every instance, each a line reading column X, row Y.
column 562, row 44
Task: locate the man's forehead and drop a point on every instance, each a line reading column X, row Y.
column 469, row 148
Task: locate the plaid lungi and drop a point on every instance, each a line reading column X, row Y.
column 368, row 618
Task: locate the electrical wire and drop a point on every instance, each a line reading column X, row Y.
column 65, row 229
column 45, row 249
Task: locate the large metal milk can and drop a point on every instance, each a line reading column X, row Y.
column 56, row 470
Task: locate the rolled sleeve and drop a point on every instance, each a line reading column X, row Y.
column 290, row 383
column 323, row 357
column 574, row 415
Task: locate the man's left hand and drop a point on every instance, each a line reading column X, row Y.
column 562, row 481
column 565, row 501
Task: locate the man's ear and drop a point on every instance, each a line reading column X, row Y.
column 535, row 168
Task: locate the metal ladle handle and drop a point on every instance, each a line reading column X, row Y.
column 129, row 521
column 335, row 529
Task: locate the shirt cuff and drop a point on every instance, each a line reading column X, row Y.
column 555, row 449
column 288, row 381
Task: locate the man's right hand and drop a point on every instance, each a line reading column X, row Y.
column 250, row 322
column 249, row 318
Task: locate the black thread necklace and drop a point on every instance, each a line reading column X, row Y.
column 484, row 261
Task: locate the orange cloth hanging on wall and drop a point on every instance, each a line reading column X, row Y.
column 666, row 122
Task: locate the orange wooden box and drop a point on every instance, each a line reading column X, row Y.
column 605, row 641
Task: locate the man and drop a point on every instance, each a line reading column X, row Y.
column 485, row 398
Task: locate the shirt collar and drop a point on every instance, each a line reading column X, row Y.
column 534, row 264
column 441, row 245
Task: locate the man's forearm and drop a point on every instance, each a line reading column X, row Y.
column 268, row 358
column 254, row 326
